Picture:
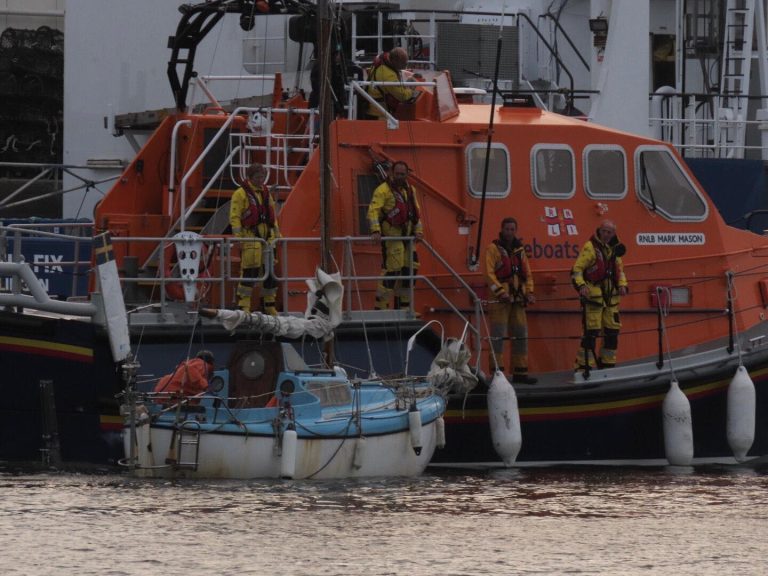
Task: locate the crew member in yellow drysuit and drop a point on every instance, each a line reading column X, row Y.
column 598, row 275
column 389, row 67
column 394, row 211
column 509, row 278
column 252, row 215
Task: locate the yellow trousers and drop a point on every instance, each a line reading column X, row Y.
column 508, row 319
column 599, row 318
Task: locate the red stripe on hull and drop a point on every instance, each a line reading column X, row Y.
column 35, row 351
column 555, row 413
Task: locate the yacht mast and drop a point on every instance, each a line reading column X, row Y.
column 324, row 57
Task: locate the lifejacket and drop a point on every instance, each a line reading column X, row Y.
column 390, row 102
column 257, row 212
column 405, row 209
column 510, row 264
column 603, row 268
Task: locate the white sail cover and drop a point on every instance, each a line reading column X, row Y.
column 450, row 371
column 323, row 313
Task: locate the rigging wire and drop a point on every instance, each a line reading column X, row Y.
column 371, row 369
column 475, row 259
column 731, row 292
column 663, row 305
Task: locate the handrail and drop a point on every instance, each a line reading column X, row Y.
column 554, row 54
column 39, row 299
column 560, row 29
column 199, row 160
column 20, row 230
column 172, row 163
column 359, row 87
column 281, row 139
column 347, row 241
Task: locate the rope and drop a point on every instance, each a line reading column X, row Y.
column 664, row 311
column 371, row 369
column 731, row 303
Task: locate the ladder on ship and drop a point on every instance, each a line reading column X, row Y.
column 188, row 446
column 285, row 154
column 735, row 74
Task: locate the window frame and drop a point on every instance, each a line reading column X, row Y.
column 585, row 166
column 534, row 177
column 666, row 215
column 508, row 166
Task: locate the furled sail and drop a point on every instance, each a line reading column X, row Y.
column 323, row 313
column 449, row 371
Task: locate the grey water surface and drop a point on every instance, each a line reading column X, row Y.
column 674, row 521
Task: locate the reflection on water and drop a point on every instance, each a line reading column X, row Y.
column 529, row 521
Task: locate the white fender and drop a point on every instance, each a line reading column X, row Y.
column 504, row 419
column 414, row 425
column 359, row 456
column 288, row 458
column 740, row 423
column 678, row 426
column 144, row 454
column 440, row 432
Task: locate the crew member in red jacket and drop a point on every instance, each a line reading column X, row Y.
column 189, row 378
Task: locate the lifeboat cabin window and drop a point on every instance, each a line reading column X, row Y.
column 553, row 171
column 498, row 170
column 605, row 172
column 663, row 185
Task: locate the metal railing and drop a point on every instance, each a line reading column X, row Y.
column 699, row 126
column 241, row 148
column 12, row 250
column 296, row 265
column 358, row 87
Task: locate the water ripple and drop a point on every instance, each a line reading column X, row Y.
column 529, row 521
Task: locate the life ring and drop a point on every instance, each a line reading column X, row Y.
column 175, row 290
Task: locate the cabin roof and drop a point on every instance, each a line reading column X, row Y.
column 480, row 114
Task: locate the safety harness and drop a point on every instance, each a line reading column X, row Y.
column 605, row 266
column 257, row 212
column 605, row 270
column 405, row 209
column 510, row 266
